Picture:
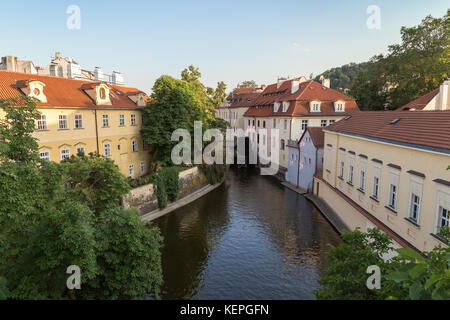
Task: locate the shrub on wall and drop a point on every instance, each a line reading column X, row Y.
column 141, row 181
column 171, row 180
column 161, row 193
column 214, row 173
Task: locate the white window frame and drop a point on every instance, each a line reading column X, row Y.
column 121, row 120
column 341, row 164
column 105, row 121
column 64, row 154
column 376, row 182
column 393, row 190
column 142, row 166
column 107, row 149
column 323, row 123
column 44, row 155
column 81, row 148
column 415, row 190
column 42, row 123
column 62, row 122
column 443, row 204
column 78, row 123
column 351, row 171
column 304, row 124
column 134, row 146
column 131, row 170
column 133, row 119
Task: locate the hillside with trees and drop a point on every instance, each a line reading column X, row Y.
column 342, row 77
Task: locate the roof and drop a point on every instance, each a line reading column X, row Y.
column 317, row 136
column 63, row 92
column 421, row 102
column 421, row 129
column 299, row 101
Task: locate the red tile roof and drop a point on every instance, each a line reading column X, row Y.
column 420, row 102
column 423, row 129
column 299, row 101
column 63, row 92
column 317, row 136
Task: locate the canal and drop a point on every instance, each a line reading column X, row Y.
column 251, row 238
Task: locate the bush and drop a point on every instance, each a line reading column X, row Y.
column 171, row 181
column 141, row 181
column 161, row 193
column 214, row 173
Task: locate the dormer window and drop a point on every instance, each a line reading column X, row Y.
column 339, row 106
column 285, row 106
column 98, row 91
column 315, row 106
column 276, row 107
column 32, row 88
column 102, row 93
column 138, row 97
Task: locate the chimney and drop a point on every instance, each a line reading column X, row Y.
column 444, row 96
column 98, row 74
column 117, row 78
column 58, row 55
column 326, row 82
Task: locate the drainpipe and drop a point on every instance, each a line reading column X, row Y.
column 298, row 166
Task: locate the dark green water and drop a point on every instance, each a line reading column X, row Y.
column 249, row 239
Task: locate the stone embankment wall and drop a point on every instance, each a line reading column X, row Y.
column 144, row 199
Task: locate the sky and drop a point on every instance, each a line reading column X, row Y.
column 230, row 41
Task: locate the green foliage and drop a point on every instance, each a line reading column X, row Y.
column 141, row 181
column 213, row 173
column 96, row 181
column 176, row 104
column 421, row 278
column 342, row 77
column 161, row 193
column 346, row 277
column 171, row 182
column 16, row 128
column 411, row 69
column 46, row 226
column 248, row 84
column 128, row 258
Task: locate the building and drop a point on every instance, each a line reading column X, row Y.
column 438, row 99
column 389, row 169
column 306, row 158
column 84, row 116
column 236, row 104
column 290, row 106
column 63, row 67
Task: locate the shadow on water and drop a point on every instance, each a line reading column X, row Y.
column 249, row 239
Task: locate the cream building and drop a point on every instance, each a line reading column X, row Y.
column 81, row 116
column 438, row 99
column 389, row 170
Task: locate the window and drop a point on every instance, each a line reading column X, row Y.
column 65, row 154
column 258, row 123
column 121, row 120
column 362, row 175
column 285, row 124
column 414, row 207
column 142, row 167
column 323, row 123
column 285, row 106
column 107, row 149
column 376, row 182
column 134, row 146
column 332, row 121
column 315, row 107
column 351, row 169
column 414, row 199
column 44, row 155
column 444, row 217
column 131, row 170
column 304, row 124
column 264, row 124
column 393, row 190
column 80, row 150
column 253, row 122
column 340, row 107
column 133, row 119
column 102, row 93
column 392, row 196
column 341, row 167
column 264, row 140
column 78, row 121
column 63, row 122
column 276, row 106
column 105, row 120
column 274, row 123
column 249, row 122
column 282, row 144
column 329, row 158
column 42, row 122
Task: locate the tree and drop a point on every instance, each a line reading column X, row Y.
column 46, row 226
column 248, row 84
column 342, row 77
column 16, row 129
column 346, row 277
column 128, row 258
column 95, row 180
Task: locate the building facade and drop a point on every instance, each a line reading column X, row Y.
column 81, row 116
column 291, row 106
column 306, row 158
column 389, row 170
column 438, row 99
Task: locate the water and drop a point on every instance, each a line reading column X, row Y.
column 249, row 239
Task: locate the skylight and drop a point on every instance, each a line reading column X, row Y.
column 347, row 118
column 395, row 121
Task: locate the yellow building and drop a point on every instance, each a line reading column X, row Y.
column 82, row 116
column 389, row 170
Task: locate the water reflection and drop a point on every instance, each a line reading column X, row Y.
column 249, row 239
